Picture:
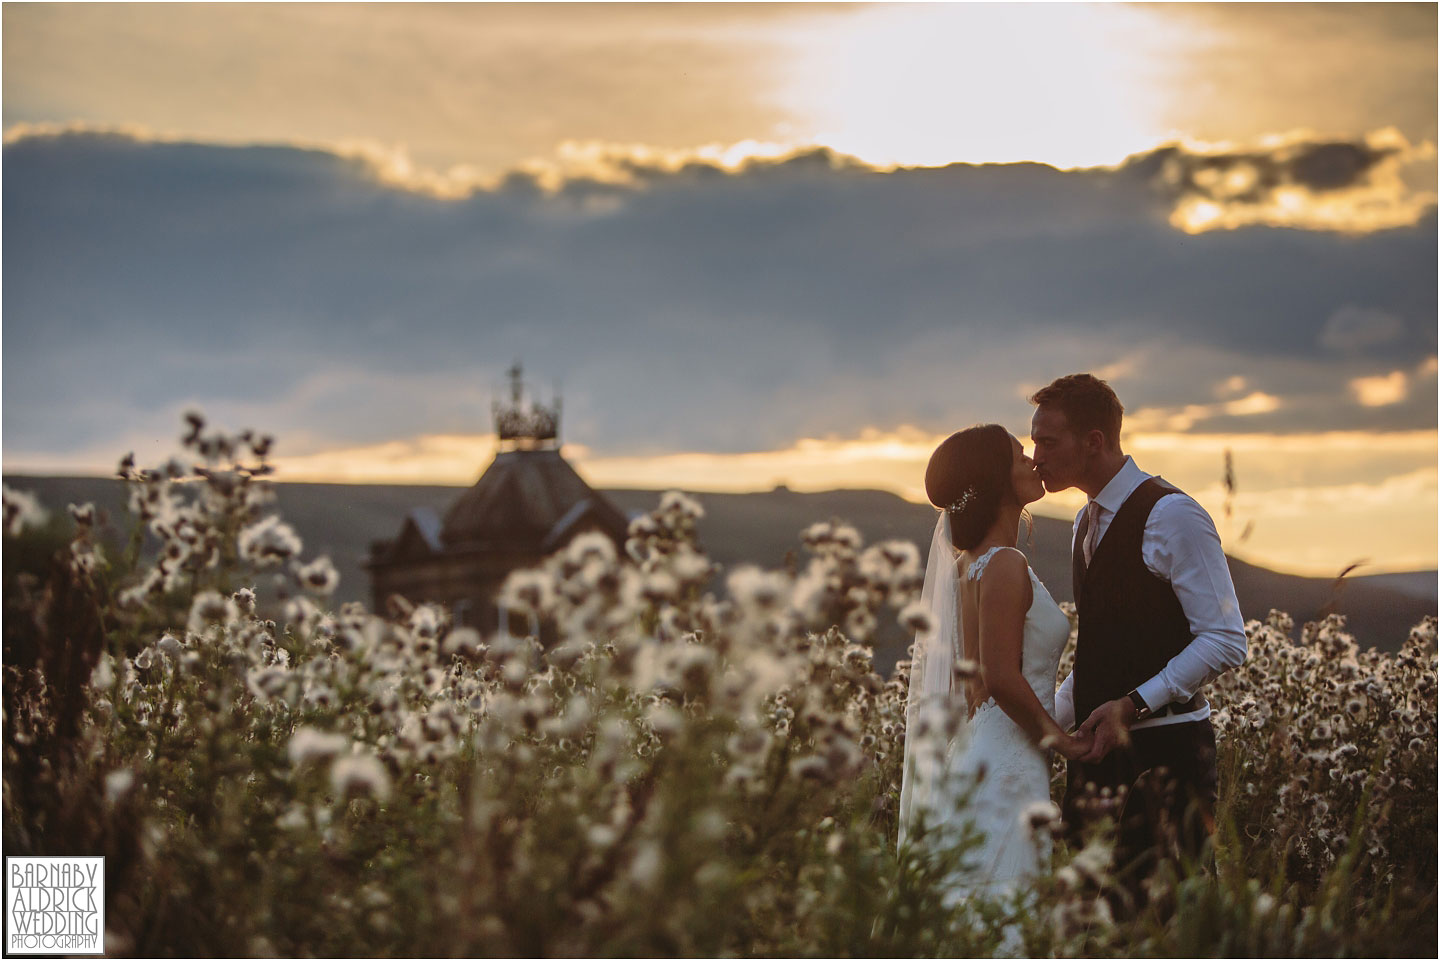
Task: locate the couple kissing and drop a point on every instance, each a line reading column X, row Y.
column 1158, row 619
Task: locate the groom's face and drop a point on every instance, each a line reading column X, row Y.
column 1060, row 456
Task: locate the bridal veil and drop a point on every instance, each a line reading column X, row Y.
column 935, row 712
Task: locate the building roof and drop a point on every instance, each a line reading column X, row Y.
column 426, row 524
column 419, row 539
column 527, row 500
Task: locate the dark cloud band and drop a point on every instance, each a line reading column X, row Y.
column 687, row 306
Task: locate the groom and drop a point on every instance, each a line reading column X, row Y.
column 1158, row 619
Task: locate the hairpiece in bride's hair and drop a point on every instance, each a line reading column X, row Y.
column 966, row 496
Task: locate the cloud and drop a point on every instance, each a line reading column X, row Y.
column 1231, row 386
column 1354, row 186
column 486, row 85
column 1381, row 391
column 1295, row 180
column 428, row 459
column 1375, row 520
column 1254, row 68
column 727, row 305
column 1185, row 417
column 1314, row 501
column 1353, row 328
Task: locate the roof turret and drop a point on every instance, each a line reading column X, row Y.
column 527, row 498
column 522, row 425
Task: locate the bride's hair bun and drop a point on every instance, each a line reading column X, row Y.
column 969, row 476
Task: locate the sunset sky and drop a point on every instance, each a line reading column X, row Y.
column 747, row 244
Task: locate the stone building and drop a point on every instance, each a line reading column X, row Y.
column 526, row 505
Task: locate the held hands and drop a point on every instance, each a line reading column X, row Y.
column 1071, row 747
column 1107, row 727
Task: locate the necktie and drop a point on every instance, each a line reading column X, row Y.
column 1092, row 530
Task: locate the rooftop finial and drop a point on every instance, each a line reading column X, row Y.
column 522, row 426
column 515, row 384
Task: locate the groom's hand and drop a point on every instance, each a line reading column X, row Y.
column 1109, row 725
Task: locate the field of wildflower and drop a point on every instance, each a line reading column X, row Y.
column 679, row 773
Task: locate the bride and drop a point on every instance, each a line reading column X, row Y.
column 979, row 721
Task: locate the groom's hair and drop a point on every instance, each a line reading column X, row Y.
column 1087, row 402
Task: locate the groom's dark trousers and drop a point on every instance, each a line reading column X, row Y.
column 1167, row 776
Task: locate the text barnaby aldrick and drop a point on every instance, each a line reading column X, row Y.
column 55, row 905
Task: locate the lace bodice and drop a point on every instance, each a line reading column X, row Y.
column 978, row 565
column 1046, row 631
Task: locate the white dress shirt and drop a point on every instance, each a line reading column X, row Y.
column 1180, row 546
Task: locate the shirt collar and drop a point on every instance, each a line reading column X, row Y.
column 1121, row 486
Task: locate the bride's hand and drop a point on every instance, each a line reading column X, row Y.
column 1071, row 747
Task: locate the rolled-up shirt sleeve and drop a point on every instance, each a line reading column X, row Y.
column 1065, row 703
column 1182, row 546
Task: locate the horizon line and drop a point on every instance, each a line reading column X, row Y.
column 1303, row 571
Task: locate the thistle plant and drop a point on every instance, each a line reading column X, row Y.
column 673, row 760
column 1348, row 761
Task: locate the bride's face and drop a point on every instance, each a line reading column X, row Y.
column 1023, row 476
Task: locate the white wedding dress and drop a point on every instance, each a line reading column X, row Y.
column 984, row 771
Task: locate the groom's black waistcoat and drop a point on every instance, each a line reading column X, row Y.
column 1131, row 623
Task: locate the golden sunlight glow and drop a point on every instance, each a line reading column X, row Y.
column 1421, row 443
column 1374, row 491
column 1183, row 418
column 613, row 163
column 443, row 459
column 1381, row 391
column 1257, row 403
column 1071, row 85
column 875, row 460
column 1382, row 200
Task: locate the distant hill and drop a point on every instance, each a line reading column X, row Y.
column 762, row 527
column 342, row 519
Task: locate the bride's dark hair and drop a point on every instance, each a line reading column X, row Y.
column 969, row 476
